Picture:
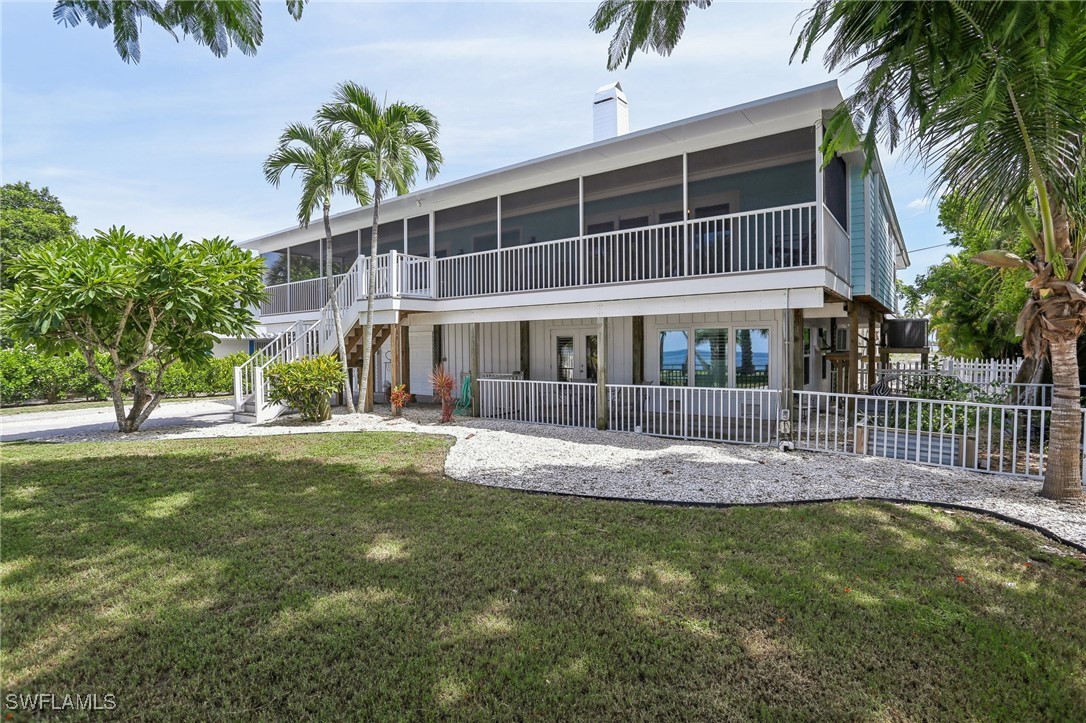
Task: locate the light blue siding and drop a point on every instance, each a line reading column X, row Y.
column 857, row 227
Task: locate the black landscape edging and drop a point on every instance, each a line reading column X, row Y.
column 822, row 500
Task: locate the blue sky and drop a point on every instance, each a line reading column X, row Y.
column 176, row 143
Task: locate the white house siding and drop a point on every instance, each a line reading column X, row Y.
column 499, row 348
column 772, row 319
column 227, row 345
column 420, row 340
column 544, row 365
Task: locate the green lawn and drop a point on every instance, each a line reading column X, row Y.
column 340, row 575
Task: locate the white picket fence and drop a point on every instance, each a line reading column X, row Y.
column 981, row 372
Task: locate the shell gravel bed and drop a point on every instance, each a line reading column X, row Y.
column 618, row 464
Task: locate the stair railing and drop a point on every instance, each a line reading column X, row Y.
column 297, row 342
column 245, row 374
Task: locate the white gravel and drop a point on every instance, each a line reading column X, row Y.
column 614, row 464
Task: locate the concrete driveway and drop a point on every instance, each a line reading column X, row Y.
column 78, row 422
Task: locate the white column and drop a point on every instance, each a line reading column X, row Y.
column 498, row 255
column 405, row 235
column 686, row 214
column 433, row 237
column 433, row 259
column 580, row 228
column 820, row 221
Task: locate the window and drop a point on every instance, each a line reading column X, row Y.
column 752, row 358
column 674, row 357
column 707, row 353
column 711, row 358
column 635, row 222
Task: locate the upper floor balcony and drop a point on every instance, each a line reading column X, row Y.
column 771, row 241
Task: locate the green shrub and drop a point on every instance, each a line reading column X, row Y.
column 306, row 385
column 16, row 376
column 29, row 375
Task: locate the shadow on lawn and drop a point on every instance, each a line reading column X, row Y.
column 342, row 575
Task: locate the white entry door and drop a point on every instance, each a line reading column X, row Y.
column 573, row 356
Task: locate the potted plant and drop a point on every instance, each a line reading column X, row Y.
column 399, row 397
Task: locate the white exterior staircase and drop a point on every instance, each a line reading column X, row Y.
column 301, row 340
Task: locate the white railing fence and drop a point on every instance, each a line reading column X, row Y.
column 747, row 416
column 721, row 415
column 245, row 374
column 996, row 438
column 1007, row 439
column 397, row 275
column 769, row 239
column 564, row 404
column 300, row 340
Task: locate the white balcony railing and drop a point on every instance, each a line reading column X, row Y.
column 767, row 240
column 774, row 239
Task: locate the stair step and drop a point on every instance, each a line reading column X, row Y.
column 244, row 418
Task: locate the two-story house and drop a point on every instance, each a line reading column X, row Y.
column 686, row 274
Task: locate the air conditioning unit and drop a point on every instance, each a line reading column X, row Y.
column 905, row 333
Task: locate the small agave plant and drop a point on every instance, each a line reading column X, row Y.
column 443, row 384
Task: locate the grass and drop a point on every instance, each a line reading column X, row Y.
column 323, row 576
column 69, row 406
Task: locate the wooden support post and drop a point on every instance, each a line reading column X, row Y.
column 525, row 350
column 797, row 363
column 872, row 378
column 394, row 372
column 638, row 351
column 439, row 349
column 473, row 343
column 405, row 358
column 601, row 373
column 853, row 371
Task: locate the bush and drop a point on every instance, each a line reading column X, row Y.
column 306, row 385
column 16, row 376
column 29, row 375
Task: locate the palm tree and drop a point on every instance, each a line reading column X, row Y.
column 322, row 157
column 642, row 25
column 218, row 25
column 389, row 141
column 989, row 94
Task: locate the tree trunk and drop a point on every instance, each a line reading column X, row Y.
column 116, row 393
column 1063, row 471
column 336, row 319
column 371, row 291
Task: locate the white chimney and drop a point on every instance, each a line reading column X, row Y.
column 610, row 113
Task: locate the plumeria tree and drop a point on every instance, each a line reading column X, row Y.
column 322, row 156
column 142, row 303
column 389, row 144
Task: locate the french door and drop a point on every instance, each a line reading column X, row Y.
column 575, row 356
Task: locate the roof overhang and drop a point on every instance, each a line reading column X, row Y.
column 767, row 116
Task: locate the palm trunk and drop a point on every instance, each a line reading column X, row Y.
column 1063, row 471
column 371, row 292
column 336, row 320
